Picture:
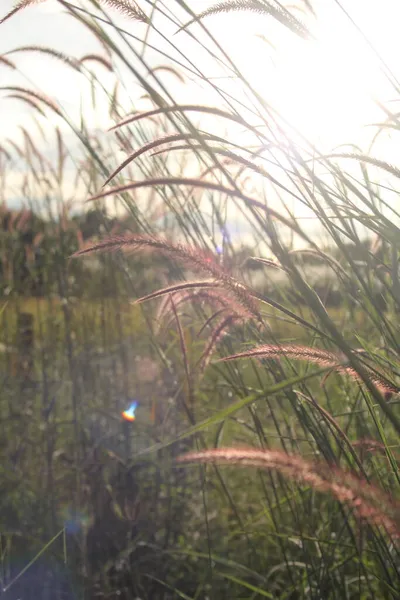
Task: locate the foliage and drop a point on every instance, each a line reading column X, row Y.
column 236, row 355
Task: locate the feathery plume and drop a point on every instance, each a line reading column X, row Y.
column 8, row 63
column 159, row 141
column 96, row 58
column 5, row 152
column 368, row 502
column 364, row 158
column 210, row 293
column 206, row 185
column 19, row 6
column 68, row 60
column 27, row 100
column 168, row 69
column 176, row 288
column 32, row 94
column 129, row 8
column 216, row 112
column 218, row 332
column 262, row 8
column 318, row 356
column 198, row 259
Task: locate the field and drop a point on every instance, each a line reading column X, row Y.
column 213, row 273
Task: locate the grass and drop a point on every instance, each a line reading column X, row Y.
column 272, row 474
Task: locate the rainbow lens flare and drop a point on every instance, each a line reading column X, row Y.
column 129, row 414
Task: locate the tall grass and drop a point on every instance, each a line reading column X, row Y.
column 236, row 356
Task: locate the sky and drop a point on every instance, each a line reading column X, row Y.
column 326, row 88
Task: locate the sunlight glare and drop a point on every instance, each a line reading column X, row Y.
column 324, row 87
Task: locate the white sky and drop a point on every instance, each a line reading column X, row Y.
column 325, row 88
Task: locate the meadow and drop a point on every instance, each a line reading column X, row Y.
column 177, row 247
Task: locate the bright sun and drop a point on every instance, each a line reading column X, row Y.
column 326, row 87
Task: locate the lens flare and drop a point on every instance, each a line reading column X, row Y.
column 129, row 414
column 74, row 521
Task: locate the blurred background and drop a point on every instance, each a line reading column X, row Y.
column 261, row 148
